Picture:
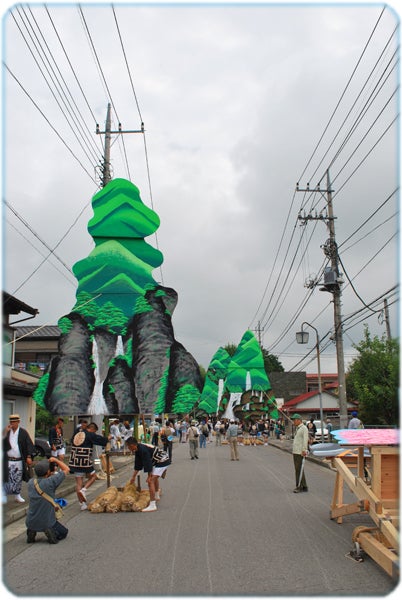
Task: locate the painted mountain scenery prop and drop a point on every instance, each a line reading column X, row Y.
column 237, row 386
column 214, row 382
column 117, row 350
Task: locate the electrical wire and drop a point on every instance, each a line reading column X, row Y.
column 343, row 94
column 48, row 122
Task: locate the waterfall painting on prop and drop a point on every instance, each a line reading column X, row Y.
column 117, row 351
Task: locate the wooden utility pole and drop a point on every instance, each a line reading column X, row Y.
column 105, row 169
column 386, row 314
column 332, row 284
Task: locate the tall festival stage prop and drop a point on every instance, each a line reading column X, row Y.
column 117, row 351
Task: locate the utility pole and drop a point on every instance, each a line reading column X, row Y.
column 386, row 314
column 258, row 331
column 105, row 168
column 332, row 284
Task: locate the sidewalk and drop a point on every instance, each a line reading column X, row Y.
column 12, row 511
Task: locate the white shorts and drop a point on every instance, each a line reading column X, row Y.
column 59, row 452
column 158, row 471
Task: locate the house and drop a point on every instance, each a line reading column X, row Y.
column 35, row 347
column 308, row 405
column 328, row 380
column 18, row 386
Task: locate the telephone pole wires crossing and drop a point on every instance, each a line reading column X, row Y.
column 332, row 283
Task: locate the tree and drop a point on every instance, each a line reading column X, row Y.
column 230, row 348
column 271, row 362
column 44, row 420
column 373, row 379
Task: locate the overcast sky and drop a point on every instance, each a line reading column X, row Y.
column 237, row 103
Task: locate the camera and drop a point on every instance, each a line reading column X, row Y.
column 52, row 466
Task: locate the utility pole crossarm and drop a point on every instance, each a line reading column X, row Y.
column 106, row 174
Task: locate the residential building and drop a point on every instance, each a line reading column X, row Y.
column 18, row 386
column 35, row 347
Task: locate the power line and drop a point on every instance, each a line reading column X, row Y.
column 48, row 122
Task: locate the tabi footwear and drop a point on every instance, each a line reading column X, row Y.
column 151, row 507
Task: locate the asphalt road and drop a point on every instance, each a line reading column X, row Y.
column 222, row 528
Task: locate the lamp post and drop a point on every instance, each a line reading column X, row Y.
column 302, row 338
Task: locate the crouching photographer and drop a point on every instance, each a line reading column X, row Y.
column 42, row 511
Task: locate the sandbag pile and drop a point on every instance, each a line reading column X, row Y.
column 130, row 499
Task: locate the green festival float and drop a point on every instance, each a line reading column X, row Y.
column 237, row 386
column 117, row 351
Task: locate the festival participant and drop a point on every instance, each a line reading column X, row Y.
column 81, row 462
column 18, row 452
column 56, row 441
column 154, row 461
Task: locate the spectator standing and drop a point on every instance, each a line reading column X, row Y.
column 204, row 432
column 312, row 430
column 192, row 436
column 115, row 433
column 154, row 431
column 166, row 434
column 231, row 436
column 18, row 453
column 126, row 431
column 183, row 431
column 355, row 422
column 265, row 433
column 300, row 449
column 218, row 433
column 329, row 428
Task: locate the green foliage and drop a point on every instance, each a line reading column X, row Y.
column 39, row 393
column 185, row 399
column 44, row 420
column 111, row 318
column 230, row 349
column 271, row 362
column 86, row 306
column 142, row 305
column 373, row 380
column 65, row 325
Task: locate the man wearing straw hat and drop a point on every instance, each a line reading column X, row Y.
column 18, row 452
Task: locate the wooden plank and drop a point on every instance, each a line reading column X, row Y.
column 383, row 556
column 347, row 509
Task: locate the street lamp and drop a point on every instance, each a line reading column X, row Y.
column 302, row 338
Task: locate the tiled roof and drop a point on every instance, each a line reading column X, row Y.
column 38, row 331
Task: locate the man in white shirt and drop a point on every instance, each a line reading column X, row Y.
column 18, row 452
column 300, row 449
